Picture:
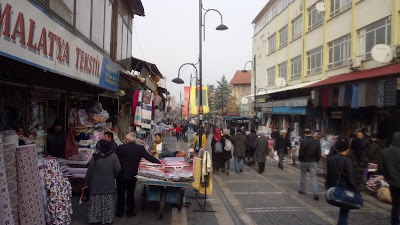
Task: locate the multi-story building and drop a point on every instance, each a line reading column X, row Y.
column 240, row 84
column 306, row 41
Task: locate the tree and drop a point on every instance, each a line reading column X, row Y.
column 222, row 96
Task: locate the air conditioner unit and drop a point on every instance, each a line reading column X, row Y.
column 355, row 63
column 396, row 51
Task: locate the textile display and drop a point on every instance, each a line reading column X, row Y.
column 372, row 88
column 41, row 164
column 335, row 97
column 325, row 97
column 348, row 93
column 30, row 205
column 354, row 96
column 102, row 208
column 71, row 148
column 197, row 167
column 330, row 97
column 60, row 193
column 342, row 90
column 138, row 111
column 380, row 96
column 362, row 94
column 391, row 92
column 134, row 101
column 6, row 216
column 317, row 97
column 11, row 172
column 147, row 110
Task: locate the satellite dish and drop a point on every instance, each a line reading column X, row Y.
column 244, row 100
column 382, row 53
column 280, row 82
column 321, row 7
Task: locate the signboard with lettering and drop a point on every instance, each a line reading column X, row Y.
column 30, row 36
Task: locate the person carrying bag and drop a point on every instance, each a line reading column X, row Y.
column 340, row 183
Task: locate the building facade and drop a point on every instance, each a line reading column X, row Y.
column 240, row 85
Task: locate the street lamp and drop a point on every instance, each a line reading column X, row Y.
column 258, row 90
column 255, row 86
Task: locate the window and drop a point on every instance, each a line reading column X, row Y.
column 64, row 9
column 315, row 18
column 283, row 70
column 107, row 26
column 314, row 60
column 83, row 17
column 378, row 32
column 338, row 6
column 271, row 75
column 283, row 36
column 296, row 27
column 274, row 11
column 296, row 67
column 98, row 23
column 339, row 51
column 271, row 43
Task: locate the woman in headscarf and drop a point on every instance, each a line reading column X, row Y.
column 217, row 150
column 196, row 144
column 104, row 168
column 262, row 150
column 158, row 146
column 226, row 154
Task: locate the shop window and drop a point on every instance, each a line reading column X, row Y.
column 314, row 60
column 339, row 51
column 283, row 36
column 64, row 9
column 315, row 17
column 338, row 6
column 271, row 75
column 378, row 32
column 283, row 70
column 98, row 23
column 296, row 27
column 296, row 67
column 83, row 15
column 271, row 44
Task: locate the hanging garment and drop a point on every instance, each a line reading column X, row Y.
column 6, row 216
column 362, row 94
column 335, row 96
column 348, row 95
column 147, row 109
column 342, row 90
column 138, row 112
column 372, row 88
column 380, row 96
column 11, row 173
column 330, row 97
column 30, row 205
column 316, row 97
column 197, row 172
column 391, row 92
column 71, row 148
column 354, row 96
column 325, row 97
column 135, row 99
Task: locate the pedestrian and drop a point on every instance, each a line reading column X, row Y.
column 56, row 140
column 158, row 146
column 109, row 137
column 104, row 168
column 250, row 147
column 239, row 144
column 129, row 155
column 358, row 153
column 178, row 131
column 227, row 145
column 261, row 152
column 309, row 156
column 281, row 146
column 232, row 131
column 375, row 149
column 390, row 168
column 336, row 163
column 217, row 148
column 196, row 144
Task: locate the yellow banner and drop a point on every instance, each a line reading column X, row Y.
column 194, row 100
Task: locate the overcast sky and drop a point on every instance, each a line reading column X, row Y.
column 168, row 37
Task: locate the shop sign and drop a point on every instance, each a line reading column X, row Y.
column 28, row 35
column 266, row 110
column 299, row 102
column 265, row 105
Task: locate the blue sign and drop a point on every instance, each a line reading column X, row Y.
column 109, row 77
column 290, row 110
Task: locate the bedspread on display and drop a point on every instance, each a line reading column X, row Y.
column 6, row 216
column 30, row 204
column 11, row 172
column 60, row 193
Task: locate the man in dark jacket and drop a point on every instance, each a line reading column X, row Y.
column 281, row 146
column 129, row 155
column 56, row 140
column 309, row 156
column 111, row 145
column 390, row 167
column 250, row 147
column 375, row 149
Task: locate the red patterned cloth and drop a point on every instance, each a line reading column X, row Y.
column 71, row 148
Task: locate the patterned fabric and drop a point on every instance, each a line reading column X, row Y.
column 43, row 190
column 6, row 216
column 342, row 90
column 147, row 110
column 60, row 193
column 380, row 96
column 71, row 148
column 348, row 93
column 11, row 172
column 372, row 88
column 101, row 208
column 30, row 204
column 362, row 94
column 391, row 92
column 138, row 111
column 354, row 96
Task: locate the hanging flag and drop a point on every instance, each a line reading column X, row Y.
column 195, row 100
column 186, row 101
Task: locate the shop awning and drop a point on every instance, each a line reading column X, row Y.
column 288, row 88
column 359, row 75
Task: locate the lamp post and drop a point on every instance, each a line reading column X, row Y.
column 220, row 27
column 255, row 86
column 259, row 89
